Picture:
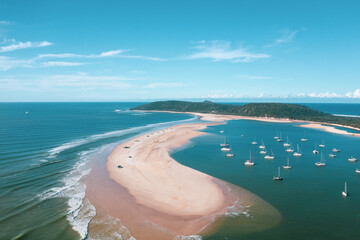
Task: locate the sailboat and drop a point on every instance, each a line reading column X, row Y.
column 263, row 151
column 352, row 159
column 278, row 177
column 357, row 170
column 225, row 144
column 335, row 150
column 289, row 150
column 322, row 144
column 287, row 166
column 221, row 131
column 321, row 163
column 344, row 192
column 230, row 154
column 225, row 149
column 262, row 146
column 287, row 144
column 298, row 152
column 279, row 139
column 270, row 157
column 332, row 155
column 249, row 162
column 254, row 142
column 276, row 137
column 315, row 151
column 304, row 139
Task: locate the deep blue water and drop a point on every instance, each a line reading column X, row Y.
column 46, row 154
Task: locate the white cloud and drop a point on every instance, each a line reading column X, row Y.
column 6, row 22
column 138, row 72
column 111, row 53
column 164, row 85
column 355, row 94
column 7, row 63
column 114, row 53
column 61, row 64
column 222, row 51
column 24, row 45
column 286, row 37
column 253, row 77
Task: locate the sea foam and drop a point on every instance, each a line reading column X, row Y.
column 53, row 152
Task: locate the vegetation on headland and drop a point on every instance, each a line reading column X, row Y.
column 270, row 110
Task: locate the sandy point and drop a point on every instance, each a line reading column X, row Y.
column 187, row 199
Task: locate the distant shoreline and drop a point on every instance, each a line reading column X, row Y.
column 308, row 124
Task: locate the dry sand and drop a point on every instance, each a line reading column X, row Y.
column 329, row 129
column 309, row 124
column 186, row 199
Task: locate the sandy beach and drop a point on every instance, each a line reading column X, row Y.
column 185, row 200
column 330, row 129
column 308, row 124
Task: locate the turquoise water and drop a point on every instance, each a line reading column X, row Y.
column 45, row 156
column 309, row 199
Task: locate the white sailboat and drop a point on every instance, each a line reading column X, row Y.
column 357, row 171
column 298, row 152
column 225, row 144
column 322, row 144
column 279, row 139
column 249, row 162
column 344, row 192
column 276, row 137
column 315, row 151
column 352, row 159
column 335, row 150
column 332, row 155
column 287, row 144
column 304, row 139
column 229, row 154
column 225, row 149
column 288, row 165
column 263, row 151
column 278, row 177
column 262, row 146
column 321, row 163
column 289, row 150
column 270, row 157
column 221, row 131
column 254, row 142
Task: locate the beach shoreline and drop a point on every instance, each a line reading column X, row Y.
column 180, row 199
column 308, row 124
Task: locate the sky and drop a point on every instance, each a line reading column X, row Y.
column 241, row 50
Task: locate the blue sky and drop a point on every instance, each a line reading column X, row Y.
column 143, row 50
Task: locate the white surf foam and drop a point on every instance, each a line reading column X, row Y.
column 345, row 115
column 53, row 152
column 80, row 210
column 237, row 209
column 191, row 237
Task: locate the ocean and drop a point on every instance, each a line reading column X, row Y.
column 47, row 153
